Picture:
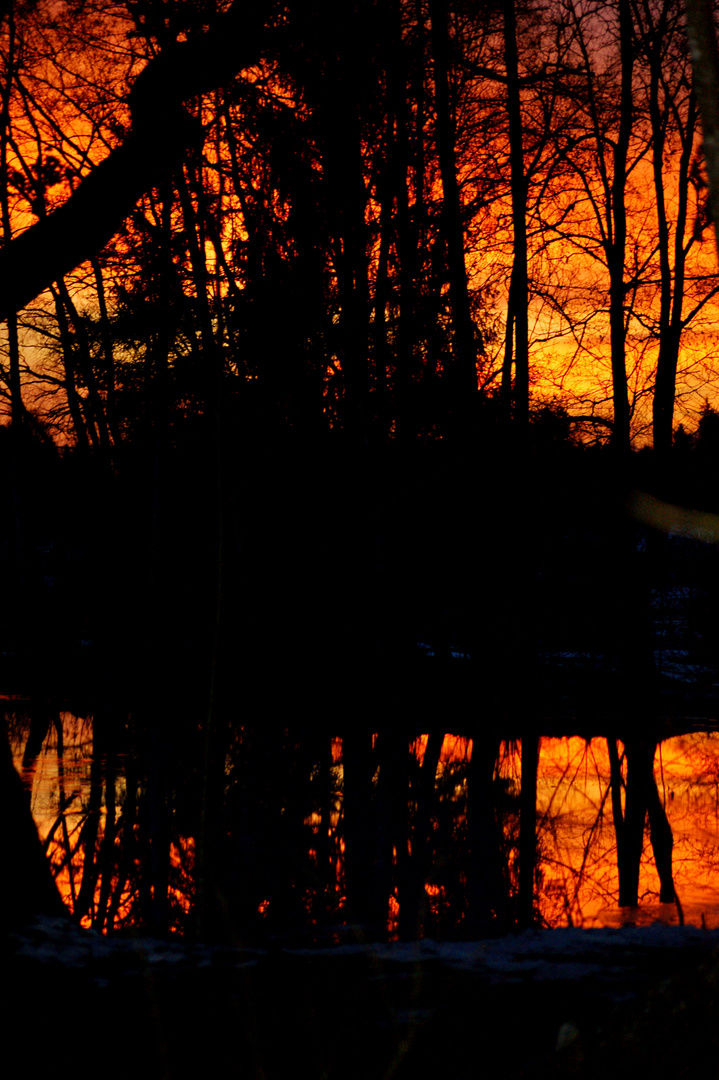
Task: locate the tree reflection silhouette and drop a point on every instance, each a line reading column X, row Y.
column 440, row 823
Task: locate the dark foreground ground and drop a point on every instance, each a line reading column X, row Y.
column 557, row 1003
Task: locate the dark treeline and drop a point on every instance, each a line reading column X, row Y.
column 279, row 471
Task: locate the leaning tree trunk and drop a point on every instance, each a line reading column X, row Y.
column 660, row 833
column 702, row 36
column 30, row 889
column 160, row 133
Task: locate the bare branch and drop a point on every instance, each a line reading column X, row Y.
column 160, row 134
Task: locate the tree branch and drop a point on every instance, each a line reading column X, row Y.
column 161, row 132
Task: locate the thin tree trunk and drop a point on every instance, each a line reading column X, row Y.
column 407, row 248
column 615, row 772
column 107, row 851
column 108, row 353
column 672, row 283
column 83, row 431
column 17, row 411
column 413, row 897
column 393, row 761
column 486, row 899
column 519, row 287
column 528, row 827
column 343, row 161
column 464, row 377
column 380, row 350
column 87, row 842
column 616, row 242
column 360, row 846
column 209, row 842
column 508, row 358
column 660, row 833
column 94, row 409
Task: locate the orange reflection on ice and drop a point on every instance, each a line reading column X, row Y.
column 454, row 748
column 577, row 844
column 577, row 877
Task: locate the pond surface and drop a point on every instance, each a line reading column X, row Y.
column 97, row 811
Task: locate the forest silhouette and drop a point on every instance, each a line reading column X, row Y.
column 338, row 342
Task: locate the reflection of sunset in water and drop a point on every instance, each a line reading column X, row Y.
column 577, row 877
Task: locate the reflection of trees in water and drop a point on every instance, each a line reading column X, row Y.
column 437, row 818
column 577, row 849
column 578, row 854
column 88, row 801
column 288, row 820
column 689, row 777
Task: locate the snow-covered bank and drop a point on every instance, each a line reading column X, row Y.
column 546, row 1003
column 613, row 960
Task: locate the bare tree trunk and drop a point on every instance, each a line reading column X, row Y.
column 108, row 353
column 399, row 163
column 616, row 243
column 392, row 749
column 89, row 832
column 107, row 852
column 96, row 420
column 528, row 827
column 520, row 277
column 660, row 833
column 486, row 900
column 508, row 358
column 671, row 278
column 30, row 889
column 360, row 845
column 413, row 897
column 17, row 410
column 642, row 798
column 83, row 431
column 380, row 344
column 464, row 377
column 616, row 783
column 640, row 755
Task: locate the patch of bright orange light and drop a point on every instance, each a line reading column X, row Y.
column 393, row 915
column 455, row 748
column 578, row 864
